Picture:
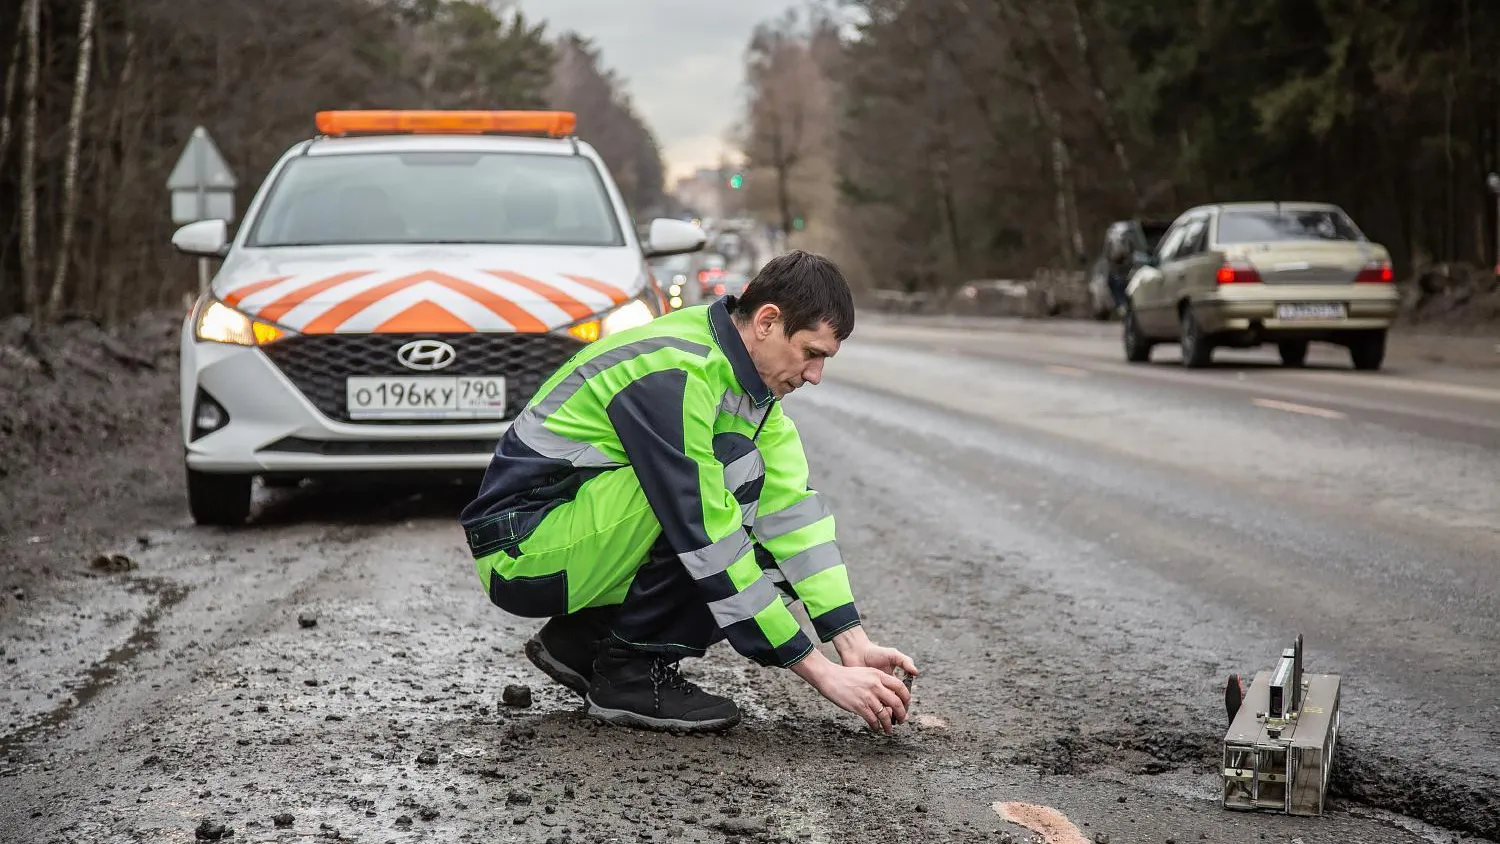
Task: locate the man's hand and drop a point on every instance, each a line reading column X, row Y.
column 856, row 649
column 874, row 695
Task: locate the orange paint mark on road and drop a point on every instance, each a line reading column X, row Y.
column 1052, row 825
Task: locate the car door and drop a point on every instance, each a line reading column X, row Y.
column 1182, row 274
column 1149, row 298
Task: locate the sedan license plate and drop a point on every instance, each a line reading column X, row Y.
column 426, row 397
column 1310, row 310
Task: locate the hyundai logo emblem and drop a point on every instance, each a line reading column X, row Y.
column 426, row 355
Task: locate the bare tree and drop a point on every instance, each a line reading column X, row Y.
column 1101, row 99
column 11, row 72
column 786, row 102
column 29, row 292
column 607, row 120
column 70, row 166
column 83, row 199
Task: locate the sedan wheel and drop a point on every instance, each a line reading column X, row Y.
column 1197, row 350
column 1137, row 347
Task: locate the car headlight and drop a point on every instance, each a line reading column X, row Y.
column 629, row 315
column 219, row 323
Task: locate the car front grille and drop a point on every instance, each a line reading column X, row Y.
column 318, row 364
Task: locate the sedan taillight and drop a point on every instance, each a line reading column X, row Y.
column 1376, row 272
column 1237, row 273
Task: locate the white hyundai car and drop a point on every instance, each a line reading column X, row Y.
column 401, row 286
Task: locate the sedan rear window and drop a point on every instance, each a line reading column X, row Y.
column 1261, row 226
column 437, row 197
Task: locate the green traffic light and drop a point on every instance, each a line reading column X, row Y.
column 736, row 181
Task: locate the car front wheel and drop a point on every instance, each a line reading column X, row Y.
column 1137, row 347
column 222, row 500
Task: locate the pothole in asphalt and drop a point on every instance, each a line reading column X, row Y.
column 1362, row 776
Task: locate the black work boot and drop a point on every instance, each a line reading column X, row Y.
column 639, row 689
column 565, row 648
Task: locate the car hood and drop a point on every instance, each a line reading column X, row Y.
column 374, row 289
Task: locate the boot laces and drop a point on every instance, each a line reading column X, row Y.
column 665, row 672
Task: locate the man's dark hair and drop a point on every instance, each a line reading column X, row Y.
column 809, row 289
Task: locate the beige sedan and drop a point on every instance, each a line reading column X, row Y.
column 1238, row 275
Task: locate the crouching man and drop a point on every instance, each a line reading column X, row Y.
column 652, row 500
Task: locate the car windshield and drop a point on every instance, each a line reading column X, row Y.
column 1261, row 226
column 437, row 197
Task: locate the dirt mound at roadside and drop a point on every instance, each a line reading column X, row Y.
column 1453, row 296
column 72, row 396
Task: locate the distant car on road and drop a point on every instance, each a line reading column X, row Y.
column 1143, row 235
column 402, row 285
column 1242, row 274
column 732, row 283
column 672, row 275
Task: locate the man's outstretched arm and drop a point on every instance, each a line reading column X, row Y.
column 794, row 524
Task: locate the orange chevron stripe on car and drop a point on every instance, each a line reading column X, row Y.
column 512, row 313
column 329, row 321
column 424, row 316
column 416, row 299
column 571, row 306
column 237, row 295
column 277, row 309
column 614, row 293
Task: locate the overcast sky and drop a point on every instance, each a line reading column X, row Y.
column 682, row 62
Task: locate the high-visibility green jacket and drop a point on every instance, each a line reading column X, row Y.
column 654, row 398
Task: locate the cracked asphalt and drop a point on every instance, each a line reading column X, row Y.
column 1077, row 552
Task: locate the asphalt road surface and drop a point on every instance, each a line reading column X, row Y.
column 1075, row 550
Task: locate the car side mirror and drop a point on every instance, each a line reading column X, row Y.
column 208, row 238
column 673, row 237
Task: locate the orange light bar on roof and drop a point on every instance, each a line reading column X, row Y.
column 552, row 124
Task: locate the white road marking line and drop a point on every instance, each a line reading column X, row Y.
column 1290, row 407
column 1052, row 825
column 1069, row 370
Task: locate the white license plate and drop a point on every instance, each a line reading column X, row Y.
column 1310, row 310
column 426, row 397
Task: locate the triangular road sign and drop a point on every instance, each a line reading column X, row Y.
column 201, row 166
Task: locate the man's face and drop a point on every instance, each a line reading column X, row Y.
column 786, row 363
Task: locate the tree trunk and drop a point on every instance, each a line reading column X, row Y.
column 1068, row 235
column 783, row 198
column 129, row 132
column 12, row 70
column 783, row 159
column 70, row 166
column 1106, row 114
column 30, row 293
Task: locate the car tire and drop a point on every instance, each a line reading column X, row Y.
column 1293, row 352
column 1367, row 351
column 1137, row 345
column 1197, row 348
column 220, row 500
